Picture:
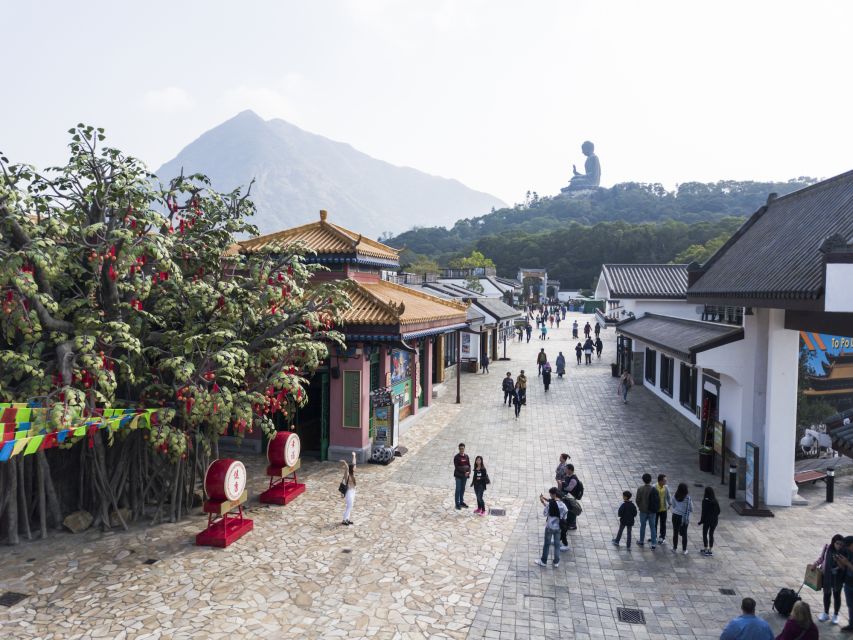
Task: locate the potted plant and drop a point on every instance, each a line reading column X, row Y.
column 614, row 369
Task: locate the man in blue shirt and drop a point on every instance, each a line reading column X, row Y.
column 747, row 626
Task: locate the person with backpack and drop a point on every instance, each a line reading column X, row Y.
column 682, row 507
column 647, row 504
column 517, row 402
column 627, row 512
column 521, row 388
column 579, row 351
column 599, row 347
column 708, row 519
column 479, row 481
column 833, row 577
column 747, row 625
column 508, row 387
column 573, row 510
column 574, row 487
column 554, row 512
column 664, row 500
column 541, row 359
column 588, row 347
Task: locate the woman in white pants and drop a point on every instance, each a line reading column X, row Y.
column 349, row 481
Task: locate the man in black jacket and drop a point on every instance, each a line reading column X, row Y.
column 508, row 387
column 461, row 472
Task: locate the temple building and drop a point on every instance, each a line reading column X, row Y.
column 399, row 341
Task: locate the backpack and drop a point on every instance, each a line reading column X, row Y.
column 577, row 492
column 573, row 505
column 785, row 600
column 654, row 501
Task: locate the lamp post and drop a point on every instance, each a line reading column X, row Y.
column 732, row 481
column 830, row 484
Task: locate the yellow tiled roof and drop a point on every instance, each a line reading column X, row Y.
column 323, row 237
column 386, row 303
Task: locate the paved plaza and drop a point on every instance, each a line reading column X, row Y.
column 413, row 567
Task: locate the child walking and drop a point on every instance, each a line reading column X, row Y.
column 709, row 519
column 627, row 513
column 479, row 482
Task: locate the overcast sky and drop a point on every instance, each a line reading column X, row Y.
column 496, row 93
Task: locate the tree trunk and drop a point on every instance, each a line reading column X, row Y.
column 23, row 509
column 11, row 468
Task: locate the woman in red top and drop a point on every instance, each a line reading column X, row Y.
column 800, row 625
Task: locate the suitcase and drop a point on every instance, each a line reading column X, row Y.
column 785, row 600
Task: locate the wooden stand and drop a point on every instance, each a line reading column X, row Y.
column 224, row 526
column 284, row 486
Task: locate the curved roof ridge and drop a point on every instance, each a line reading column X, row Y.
column 409, row 290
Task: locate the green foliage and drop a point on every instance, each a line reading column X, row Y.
column 635, row 203
column 701, row 252
column 472, row 261
column 422, row 266
column 115, row 291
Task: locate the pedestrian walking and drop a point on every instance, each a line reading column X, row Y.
column 541, row 359
column 554, row 511
column 833, row 577
column 484, row 362
column 479, row 481
column 586, row 330
column 546, row 376
column 575, row 329
column 557, row 318
column 627, row 512
column 647, row 504
column 682, row 507
column 579, row 351
column 551, row 320
column 561, row 365
column 747, row 625
column 521, row 387
column 543, row 332
column 349, row 494
column 461, row 472
column 517, row 401
column 709, row 518
column 508, row 387
column 588, row 346
column 597, row 329
column 800, row 626
column 599, row 346
column 528, row 328
column 845, row 559
column 626, row 381
column 664, row 500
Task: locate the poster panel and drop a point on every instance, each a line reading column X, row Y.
column 750, row 474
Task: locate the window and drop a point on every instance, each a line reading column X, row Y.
column 450, row 340
column 651, row 364
column 687, row 387
column 667, row 371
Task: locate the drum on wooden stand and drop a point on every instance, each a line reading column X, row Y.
column 283, row 452
column 225, row 479
column 283, row 449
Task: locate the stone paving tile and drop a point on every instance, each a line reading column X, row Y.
column 416, row 567
column 611, row 445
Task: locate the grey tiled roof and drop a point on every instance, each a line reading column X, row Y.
column 776, row 254
column 496, row 308
column 680, row 337
column 646, row 280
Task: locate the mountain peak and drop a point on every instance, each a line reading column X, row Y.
column 297, row 172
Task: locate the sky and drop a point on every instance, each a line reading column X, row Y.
column 498, row 94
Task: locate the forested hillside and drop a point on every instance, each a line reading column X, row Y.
column 572, row 237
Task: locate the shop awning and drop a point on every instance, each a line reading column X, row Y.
column 434, row 331
column 677, row 336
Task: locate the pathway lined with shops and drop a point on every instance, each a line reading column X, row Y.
column 414, row 567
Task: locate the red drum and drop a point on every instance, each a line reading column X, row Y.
column 283, row 450
column 225, row 479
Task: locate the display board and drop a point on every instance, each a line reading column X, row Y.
column 401, row 366
column 352, row 399
column 752, row 495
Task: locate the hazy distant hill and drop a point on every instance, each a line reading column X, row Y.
column 298, row 173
